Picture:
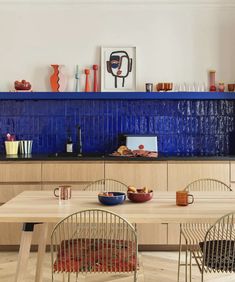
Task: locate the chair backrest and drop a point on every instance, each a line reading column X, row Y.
column 207, row 184
column 109, row 185
column 219, row 246
column 94, row 240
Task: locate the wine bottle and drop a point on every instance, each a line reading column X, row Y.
column 69, row 144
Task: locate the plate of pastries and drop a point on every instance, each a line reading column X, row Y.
column 124, row 151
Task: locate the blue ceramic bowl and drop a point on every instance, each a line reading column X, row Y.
column 116, row 199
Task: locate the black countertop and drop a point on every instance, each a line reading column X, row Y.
column 65, row 157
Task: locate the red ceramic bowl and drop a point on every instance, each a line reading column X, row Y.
column 140, row 197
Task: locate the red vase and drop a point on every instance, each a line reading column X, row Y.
column 54, row 79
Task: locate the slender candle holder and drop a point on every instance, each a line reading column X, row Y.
column 87, row 85
column 77, row 79
column 212, row 81
column 95, row 88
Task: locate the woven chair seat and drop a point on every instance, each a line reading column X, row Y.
column 214, row 259
column 95, row 255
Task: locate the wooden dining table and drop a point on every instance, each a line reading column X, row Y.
column 41, row 208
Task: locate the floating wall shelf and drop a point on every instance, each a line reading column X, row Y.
column 117, row 96
column 223, row 3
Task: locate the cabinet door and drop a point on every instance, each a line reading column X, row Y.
column 181, row 174
column 8, row 191
column 153, row 175
column 20, row 172
column 72, row 171
column 152, row 234
column 11, row 232
column 174, row 234
column 232, row 171
column 74, row 186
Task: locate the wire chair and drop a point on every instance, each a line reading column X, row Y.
column 108, row 185
column 207, row 185
column 93, row 241
column 193, row 233
column 215, row 252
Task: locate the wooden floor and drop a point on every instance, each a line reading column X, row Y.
column 157, row 266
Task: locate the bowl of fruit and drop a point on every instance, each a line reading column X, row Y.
column 139, row 195
column 111, row 198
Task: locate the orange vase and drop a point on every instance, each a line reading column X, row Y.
column 54, row 79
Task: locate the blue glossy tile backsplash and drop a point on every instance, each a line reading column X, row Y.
column 183, row 127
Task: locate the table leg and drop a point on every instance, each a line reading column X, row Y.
column 25, row 243
column 41, row 251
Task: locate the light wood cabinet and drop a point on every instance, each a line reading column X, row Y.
column 84, row 171
column 75, row 186
column 9, row 191
column 11, row 233
column 232, row 175
column 232, row 171
column 182, row 173
column 20, row 172
column 152, row 234
column 16, row 177
column 153, row 175
column 173, row 234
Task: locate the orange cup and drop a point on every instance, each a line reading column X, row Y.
column 182, row 198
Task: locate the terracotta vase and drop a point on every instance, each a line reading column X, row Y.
column 54, row 79
column 58, row 79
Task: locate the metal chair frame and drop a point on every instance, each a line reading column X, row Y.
column 99, row 228
column 193, row 232
column 207, row 185
column 108, row 185
column 223, row 230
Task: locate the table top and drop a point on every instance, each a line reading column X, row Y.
column 42, row 206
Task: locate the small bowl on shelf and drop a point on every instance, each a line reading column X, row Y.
column 139, row 196
column 111, row 198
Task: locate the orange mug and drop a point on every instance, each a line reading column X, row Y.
column 64, row 192
column 182, row 198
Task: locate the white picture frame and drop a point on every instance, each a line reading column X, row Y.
column 118, row 69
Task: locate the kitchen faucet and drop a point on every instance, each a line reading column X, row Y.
column 79, row 140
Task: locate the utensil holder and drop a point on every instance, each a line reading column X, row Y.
column 26, row 147
column 11, row 147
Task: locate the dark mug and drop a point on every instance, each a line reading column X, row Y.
column 182, row 198
column 149, row 87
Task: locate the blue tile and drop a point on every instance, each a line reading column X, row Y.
column 183, row 127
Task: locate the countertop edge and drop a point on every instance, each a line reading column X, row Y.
column 45, row 157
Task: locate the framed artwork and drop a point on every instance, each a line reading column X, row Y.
column 118, row 69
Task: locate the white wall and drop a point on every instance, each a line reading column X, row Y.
column 178, row 43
